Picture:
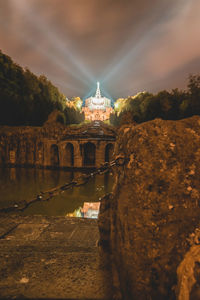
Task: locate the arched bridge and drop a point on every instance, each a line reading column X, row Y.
column 87, row 146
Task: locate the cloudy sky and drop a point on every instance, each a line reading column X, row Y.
column 128, row 45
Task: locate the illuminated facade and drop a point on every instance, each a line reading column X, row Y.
column 97, row 107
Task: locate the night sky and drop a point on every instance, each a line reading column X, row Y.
column 128, row 45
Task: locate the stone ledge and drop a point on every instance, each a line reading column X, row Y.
column 51, row 258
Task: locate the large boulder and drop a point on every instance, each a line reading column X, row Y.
column 146, row 224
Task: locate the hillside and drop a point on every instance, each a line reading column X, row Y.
column 26, row 99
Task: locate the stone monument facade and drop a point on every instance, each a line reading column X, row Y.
column 97, row 107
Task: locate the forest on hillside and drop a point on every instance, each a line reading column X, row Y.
column 166, row 105
column 26, row 99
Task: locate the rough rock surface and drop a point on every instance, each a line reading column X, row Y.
column 145, row 225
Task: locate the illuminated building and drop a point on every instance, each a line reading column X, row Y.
column 97, row 107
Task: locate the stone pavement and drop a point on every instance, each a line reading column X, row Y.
column 51, row 258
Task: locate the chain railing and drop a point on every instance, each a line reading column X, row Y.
column 81, row 180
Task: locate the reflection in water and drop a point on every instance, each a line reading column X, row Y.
column 89, row 210
column 18, row 184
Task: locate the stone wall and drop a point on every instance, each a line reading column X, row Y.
column 146, row 224
column 56, row 146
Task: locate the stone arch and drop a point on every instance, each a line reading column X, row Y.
column 2, row 155
column 40, row 153
column 22, row 152
column 40, row 146
column 54, row 155
column 89, row 154
column 109, row 152
column 18, row 153
column 69, row 155
column 28, row 152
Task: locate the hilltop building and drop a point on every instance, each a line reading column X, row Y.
column 97, row 107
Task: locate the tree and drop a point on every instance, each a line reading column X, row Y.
column 26, row 99
column 76, row 102
column 172, row 105
column 194, row 94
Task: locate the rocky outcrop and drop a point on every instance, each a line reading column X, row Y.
column 188, row 272
column 145, row 225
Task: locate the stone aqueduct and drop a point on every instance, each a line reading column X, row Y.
column 79, row 153
column 43, row 148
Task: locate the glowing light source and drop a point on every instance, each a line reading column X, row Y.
column 116, row 105
column 97, row 107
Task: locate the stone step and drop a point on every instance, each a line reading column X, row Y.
column 51, row 257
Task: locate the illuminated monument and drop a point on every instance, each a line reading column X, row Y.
column 98, row 107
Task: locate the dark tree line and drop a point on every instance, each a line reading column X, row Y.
column 73, row 116
column 26, row 99
column 166, row 105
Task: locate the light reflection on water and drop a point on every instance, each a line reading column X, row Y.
column 89, row 210
column 17, row 184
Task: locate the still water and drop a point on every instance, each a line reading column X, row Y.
column 17, row 184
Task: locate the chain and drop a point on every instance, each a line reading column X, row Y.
column 81, row 180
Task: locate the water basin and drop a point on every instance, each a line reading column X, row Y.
column 17, row 184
